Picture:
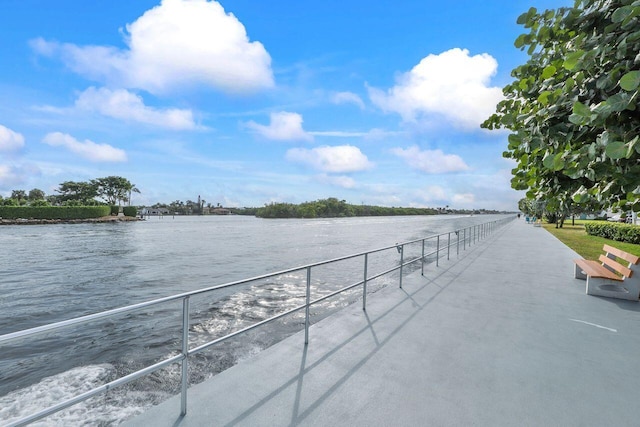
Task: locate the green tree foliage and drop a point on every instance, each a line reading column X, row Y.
column 35, row 194
column 331, row 208
column 10, row 202
column 20, row 196
column 572, row 108
column 81, row 192
column 114, row 189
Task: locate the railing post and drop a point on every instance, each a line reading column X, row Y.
column 437, row 251
column 364, row 283
column 458, row 243
column 185, row 352
column 401, row 250
column 475, row 228
column 448, row 244
column 306, row 311
column 422, row 260
column 464, row 240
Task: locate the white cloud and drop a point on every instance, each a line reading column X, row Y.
column 338, row 159
column 463, row 200
column 14, row 175
column 338, row 181
column 379, row 134
column 432, row 193
column 347, row 98
column 452, row 85
column 431, row 161
column 284, row 126
column 9, row 140
column 339, row 134
column 86, row 149
column 124, row 105
column 177, row 43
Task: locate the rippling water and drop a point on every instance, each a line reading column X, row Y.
column 56, row 272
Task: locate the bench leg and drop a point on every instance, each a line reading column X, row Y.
column 612, row 289
column 578, row 273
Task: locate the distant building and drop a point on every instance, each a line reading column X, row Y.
column 220, row 211
column 154, row 211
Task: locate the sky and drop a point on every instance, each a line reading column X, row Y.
column 246, row 102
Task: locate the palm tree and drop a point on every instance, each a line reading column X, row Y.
column 134, row 189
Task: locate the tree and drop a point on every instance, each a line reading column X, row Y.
column 114, row 189
column 83, row 192
column 36, row 194
column 134, row 189
column 572, row 108
column 19, row 195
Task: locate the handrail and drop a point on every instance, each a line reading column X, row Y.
column 476, row 232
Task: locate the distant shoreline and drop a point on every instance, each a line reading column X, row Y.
column 101, row 220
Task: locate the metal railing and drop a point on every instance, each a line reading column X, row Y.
column 455, row 239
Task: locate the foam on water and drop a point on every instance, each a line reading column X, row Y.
column 108, row 409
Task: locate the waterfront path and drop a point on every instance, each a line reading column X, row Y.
column 501, row 336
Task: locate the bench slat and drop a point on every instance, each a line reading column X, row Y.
column 616, row 266
column 595, row 269
column 621, row 254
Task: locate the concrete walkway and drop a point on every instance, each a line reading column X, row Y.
column 502, row 336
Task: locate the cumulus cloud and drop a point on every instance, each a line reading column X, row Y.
column 431, row 161
column 338, row 159
column 124, row 105
column 14, row 175
column 338, row 181
column 432, row 193
column 10, row 141
column 466, row 199
column 284, row 126
column 177, row 43
column 347, row 98
column 86, row 149
column 452, row 85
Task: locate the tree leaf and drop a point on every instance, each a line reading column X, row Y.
column 572, row 59
column 544, row 97
column 578, row 120
column 621, row 13
column 581, row 110
column 618, row 102
column 616, row 150
column 555, row 163
column 521, row 41
column 548, row 72
column 630, row 81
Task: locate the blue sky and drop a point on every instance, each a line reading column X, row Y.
column 249, row 102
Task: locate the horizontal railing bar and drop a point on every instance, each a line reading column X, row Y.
column 412, row 261
column 243, row 330
column 432, row 253
column 339, row 291
column 290, row 311
column 375, row 276
column 103, row 388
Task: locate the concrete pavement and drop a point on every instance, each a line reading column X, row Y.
column 501, row 336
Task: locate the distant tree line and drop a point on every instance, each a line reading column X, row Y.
column 111, row 190
column 332, row 208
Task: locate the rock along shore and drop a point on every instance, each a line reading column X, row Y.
column 104, row 219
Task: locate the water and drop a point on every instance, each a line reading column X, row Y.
column 56, row 272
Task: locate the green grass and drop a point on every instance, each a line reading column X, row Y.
column 589, row 247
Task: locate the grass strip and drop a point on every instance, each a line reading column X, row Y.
column 589, row 247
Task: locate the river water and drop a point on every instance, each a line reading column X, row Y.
column 56, row 272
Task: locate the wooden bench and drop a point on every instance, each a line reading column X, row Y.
column 608, row 277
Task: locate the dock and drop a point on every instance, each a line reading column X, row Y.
column 501, row 335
